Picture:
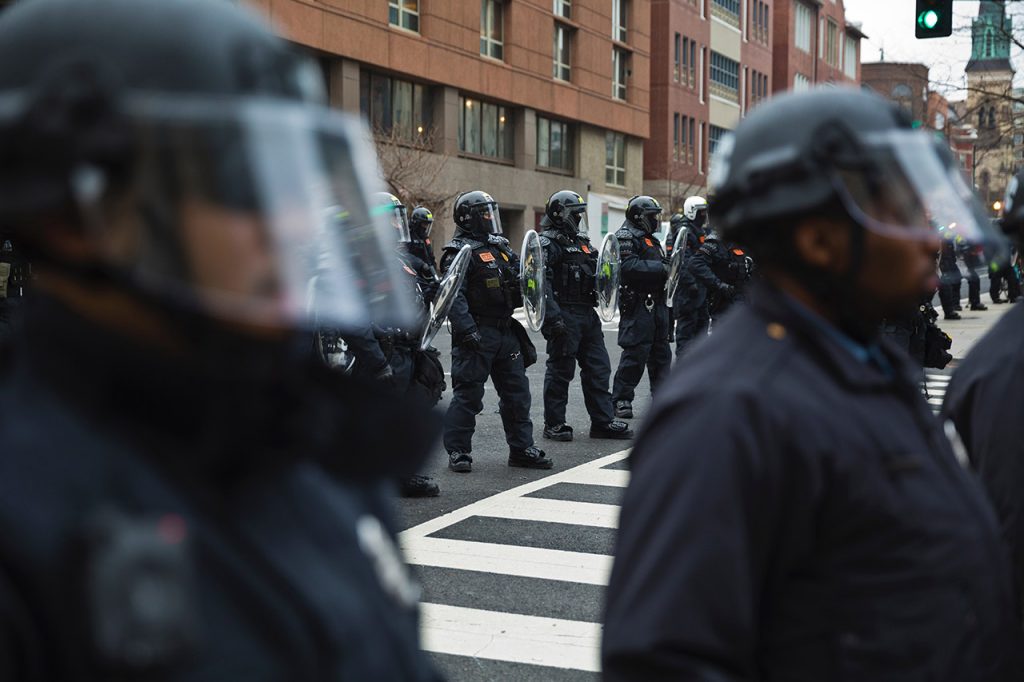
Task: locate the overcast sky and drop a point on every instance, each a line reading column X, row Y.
column 889, row 25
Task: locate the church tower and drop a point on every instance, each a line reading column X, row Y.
column 989, row 99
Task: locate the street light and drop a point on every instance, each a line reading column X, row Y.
column 997, row 206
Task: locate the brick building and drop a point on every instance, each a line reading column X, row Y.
column 904, row 84
column 813, row 44
column 711, row 63
column 714, row 60
column 519, row 99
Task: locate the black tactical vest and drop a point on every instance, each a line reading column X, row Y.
column 574, row 277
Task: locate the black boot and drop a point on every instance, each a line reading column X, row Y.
column 979, row 306
column 419, row 486
column 623, row 409
column 613, row 430
column 530, row 458
column 460, row 462
column 562, row 432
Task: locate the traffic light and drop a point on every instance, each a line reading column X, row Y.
column 934, row 18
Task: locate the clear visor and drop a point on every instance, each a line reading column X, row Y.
column 397, row 218
column 490, row 219
column 579, row 218
column 259, row 212
column 905, row 190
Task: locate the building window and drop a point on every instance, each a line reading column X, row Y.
column 725, row 76
column 693, row 63
column 554, row 144
column 832, row 44
column 395, row 107
column 850, row 58
column 801, row 83
column 679, row 58
column 404, row 13
column 563, row 8
column 615, row 159
column 675, row 137
column 492, row 28
column 562, row 46
column 485, row 129
column 620, row 9
column 714, row 137
column 758, row 87
column 804, row 25
column 691, row 145
column 620, row 68
column 727, row 11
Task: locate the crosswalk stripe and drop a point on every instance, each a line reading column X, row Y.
column 527, row 562
column 617, row 478
column 555, row 511
column 511, row 637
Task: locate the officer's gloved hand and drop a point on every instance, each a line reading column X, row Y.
column 726, row 290
column 470, row 341
column 555, row 330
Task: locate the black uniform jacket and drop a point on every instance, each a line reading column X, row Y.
column 265, row 476
column 984, row 400
column 795, row 514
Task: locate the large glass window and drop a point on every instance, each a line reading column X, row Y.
column 727, row 11
column 404, row 13
column 801, row 83
column 804, row 27
column 484, row 129
column 850, row 58
column 554, row 144
column 620, row 68
column 562, row 49
column 725, row 76
column 675, row 137
column 677, row 63
column 394, row 106
column 492, row 28
column 615, row 159
column 715, row 134
column 620, row 10
column 563, row 8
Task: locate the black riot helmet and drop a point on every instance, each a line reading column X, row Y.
column 193, row 149
column 854, row 154
column 476, row 214
column 421, row 222
column 644, row 212
column 567, row 211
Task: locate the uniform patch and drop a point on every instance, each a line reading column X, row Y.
column 649, row 242
column 493, row 283
column 586, row 249
column 487, row 257
column 408, row 269
column 738, row 252
column 505, row 256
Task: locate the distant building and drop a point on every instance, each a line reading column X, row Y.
column 814, row 44
column 906, row 85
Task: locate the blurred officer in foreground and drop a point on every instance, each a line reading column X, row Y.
column 984, row 401
column 571, row 326
column 794, row 511
column 644, row 331
column 486, row 340
column 184, row 494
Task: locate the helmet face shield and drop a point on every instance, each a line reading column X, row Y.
column 256, row 211
column 488, row 219
column 904, row 190
column 397, row 218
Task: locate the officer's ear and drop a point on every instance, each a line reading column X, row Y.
column 822, row 243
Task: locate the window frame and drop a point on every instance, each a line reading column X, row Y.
column 487, row 24
column 383, row 122
column 620, row 69
column 562, row 8
column 503, row 130
column 620, row 20
column 401, row 17
column 727, row 81
column 803, row 32
column 568, row 146
column 559, row 70
column 615, row 143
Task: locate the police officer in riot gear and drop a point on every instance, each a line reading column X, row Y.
column 486, row 340
column 726, row 268
column 421, row 222
column 571, row 326
column 794, row 511
column 983, row 401
column 644, row 321
column 186, row 495
column 972, row 261
column 15, row 278
column 950, row 280
column 688, row 308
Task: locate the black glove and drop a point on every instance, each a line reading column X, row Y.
column 471, row 341
column 726, row 290
column 555, row 330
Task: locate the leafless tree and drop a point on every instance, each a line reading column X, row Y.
column 682, row 182
column 412, row 167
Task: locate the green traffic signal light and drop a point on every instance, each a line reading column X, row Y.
column 934, row 18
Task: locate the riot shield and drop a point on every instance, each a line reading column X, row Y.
column 447, row 290
column 531, row 278
column 607, row 278
column 676, row 265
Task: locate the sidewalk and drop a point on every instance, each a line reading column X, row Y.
column 972, row 327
